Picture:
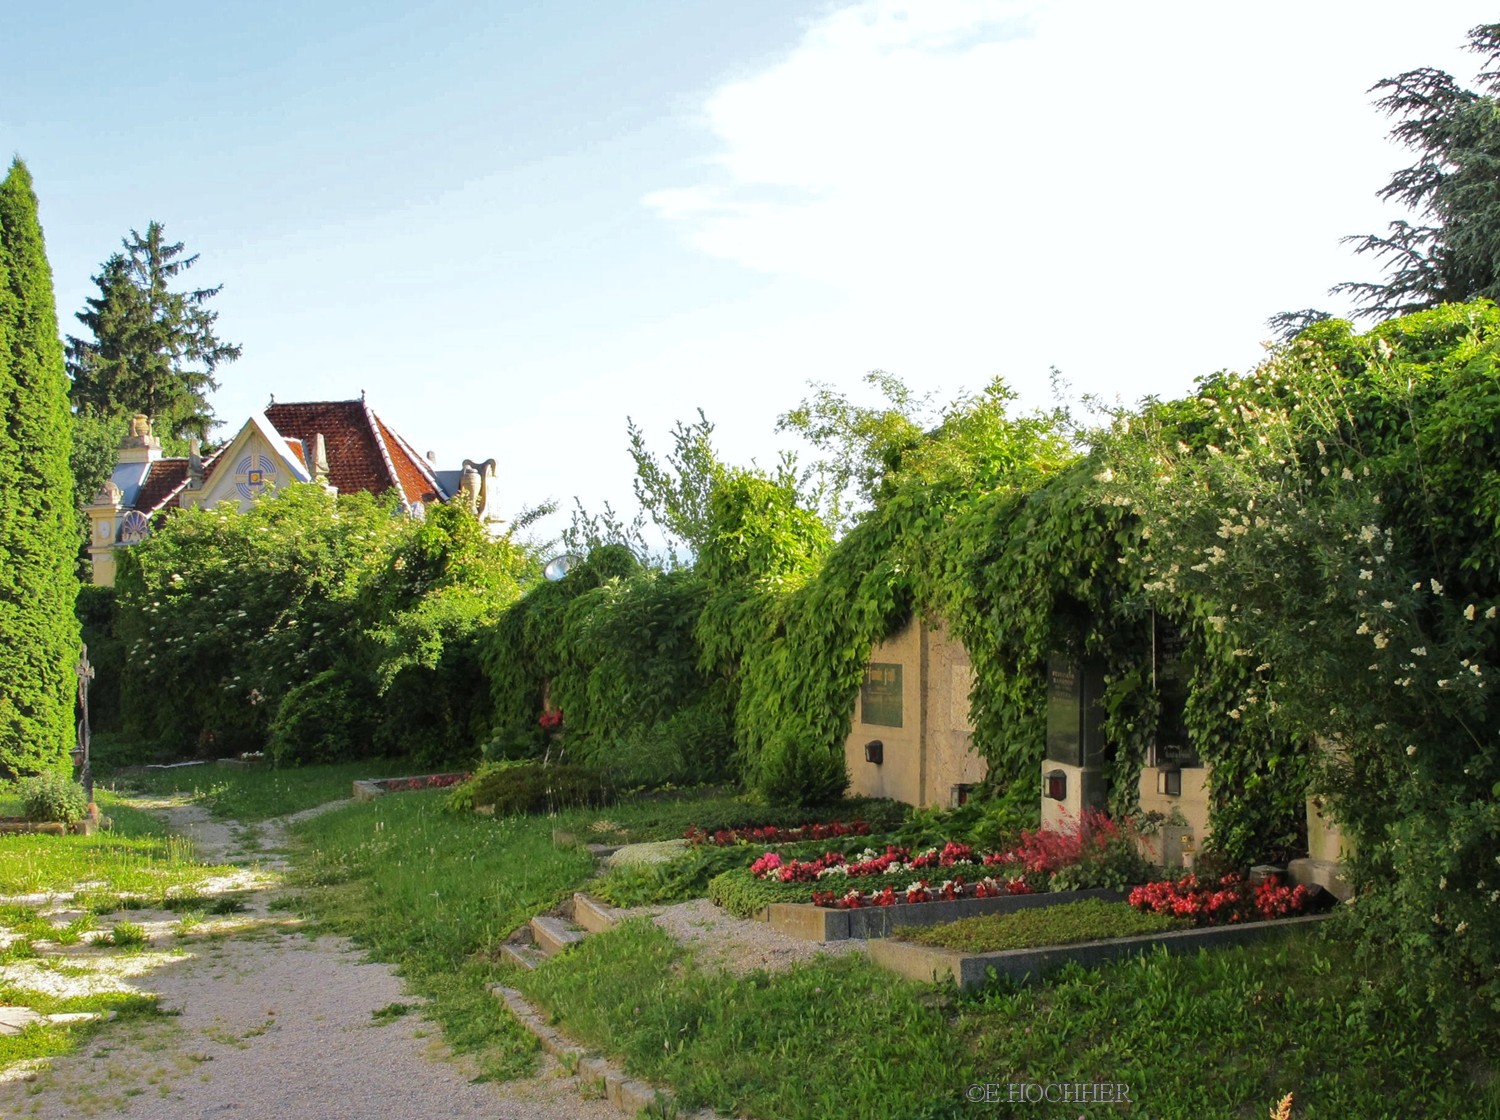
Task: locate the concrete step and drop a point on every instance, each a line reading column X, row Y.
column 591, row 914
column 553, row 935
column 527, row 956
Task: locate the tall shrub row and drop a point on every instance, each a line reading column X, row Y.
column 38, row 630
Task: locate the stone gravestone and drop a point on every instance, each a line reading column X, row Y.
column 1076, row 749
column 1173, row 747
column 880, row 696
column 1074, row 715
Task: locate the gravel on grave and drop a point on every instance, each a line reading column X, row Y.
column 740, row 945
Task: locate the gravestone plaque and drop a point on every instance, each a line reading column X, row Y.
column 1074, row 715
column 1173, row 748
column 880, row 697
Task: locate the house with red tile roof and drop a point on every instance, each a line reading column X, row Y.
column 343, row 446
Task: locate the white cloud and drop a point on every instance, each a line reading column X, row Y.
column 1126, row 190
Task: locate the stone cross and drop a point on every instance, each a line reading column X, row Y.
column 85, row 671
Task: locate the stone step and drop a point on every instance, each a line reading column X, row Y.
column 527, row 956
column 591, row 914
column 553, row 935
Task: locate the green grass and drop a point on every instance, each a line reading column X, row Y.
column 136, row 857
column 259, row 793
column 1222, row 1034
column 252, row 793
column 1068, row 924
column 434, row 893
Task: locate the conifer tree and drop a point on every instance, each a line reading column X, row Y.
column 38, row 630
column 154, row 350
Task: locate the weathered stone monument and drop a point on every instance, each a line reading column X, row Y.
column 910, row 737
column 1075, row 770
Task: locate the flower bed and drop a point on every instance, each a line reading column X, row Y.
column 772, row 834
column 1228, row 900
column 893, row 861
column 367, row 789
column 950, row 890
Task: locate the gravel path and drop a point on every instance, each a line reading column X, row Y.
column 273, row 1025
column 739, row 945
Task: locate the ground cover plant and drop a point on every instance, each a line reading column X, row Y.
column 1089, row 920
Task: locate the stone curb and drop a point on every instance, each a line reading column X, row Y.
column 926, row 963
column 630, row 1096
column 821, row 923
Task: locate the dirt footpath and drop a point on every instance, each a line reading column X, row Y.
column 269, row 1024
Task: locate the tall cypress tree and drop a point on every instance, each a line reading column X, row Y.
column 38, row 630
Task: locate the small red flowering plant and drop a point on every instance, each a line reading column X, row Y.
column 1224, row 901
column 551, row 720
column 771, row 834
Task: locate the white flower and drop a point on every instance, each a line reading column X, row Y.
column 1420, row 651
column 1460, row 927
column 1410, row 750
column 1490, row 613
column 1442, row 882
column 1469, row 612
column 1368, row 534
column 1323, row 471
column 1381, row 641
column 1437, row 588
column 1417, row 586
column 1364, row 628
column 1442, row 684
column 1366, row 573
column 1387, row 604
column 1347, row 475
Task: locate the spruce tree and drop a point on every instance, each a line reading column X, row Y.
column 38, row 630
column 1452, row 253
column 154, row 350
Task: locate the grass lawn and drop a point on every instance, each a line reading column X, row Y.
column 257, row 793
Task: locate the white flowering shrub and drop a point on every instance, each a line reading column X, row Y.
column 1334, row 523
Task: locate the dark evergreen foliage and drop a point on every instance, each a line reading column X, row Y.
column 1452, row 254
column 153, row 350
column 38, row 631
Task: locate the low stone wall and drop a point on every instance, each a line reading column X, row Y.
column 822, row 923
column 971, row 970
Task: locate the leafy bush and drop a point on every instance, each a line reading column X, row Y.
column 1090, row 920
column 327, row 719
column 51, row 797
column 514, row 788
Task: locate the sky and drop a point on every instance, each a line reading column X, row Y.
column 516, row 224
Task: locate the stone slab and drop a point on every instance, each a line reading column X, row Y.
column 1329, row 874
column 926, row 963
column 810, row 923
column 800, row 919
column 630, row 1096
column 553, row 935
column 592, row 914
